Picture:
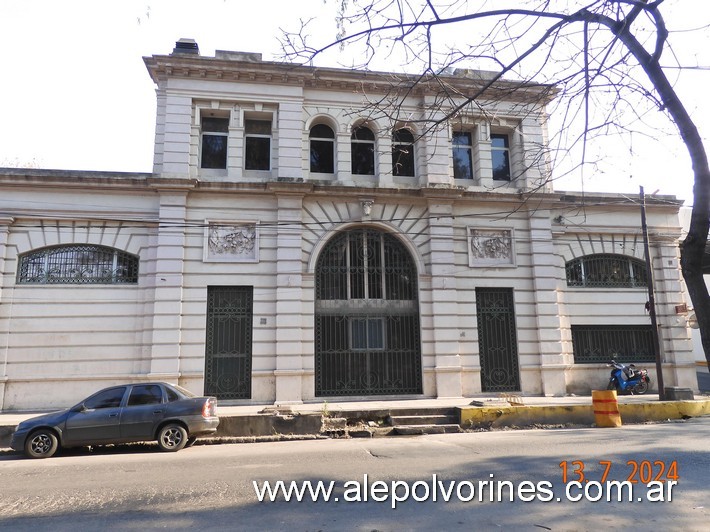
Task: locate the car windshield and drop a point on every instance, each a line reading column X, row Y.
column 183, row 391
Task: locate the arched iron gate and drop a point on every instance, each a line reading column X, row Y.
column 366, row 317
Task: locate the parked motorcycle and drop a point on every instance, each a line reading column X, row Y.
column 628, row 379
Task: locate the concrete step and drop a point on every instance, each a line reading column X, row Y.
column 415, row 430
column 434, row 419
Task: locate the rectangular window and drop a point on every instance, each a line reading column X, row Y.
column 367, row 334
column 403, row 153
column 463, row 162
column 257, row 142
column 500, row 155
column 594, row 344
column 214, row 142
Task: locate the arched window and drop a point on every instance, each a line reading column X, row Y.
column 78, row 264
column 403, row 153
column 362, row 147
column 322, row 149
column 603, row 270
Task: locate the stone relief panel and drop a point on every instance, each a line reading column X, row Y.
column 490, row 247
column 231, row 242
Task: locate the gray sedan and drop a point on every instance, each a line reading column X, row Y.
column 156, row 411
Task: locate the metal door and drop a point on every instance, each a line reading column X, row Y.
column 229, row 341
column 367, row 317
column 497, row 340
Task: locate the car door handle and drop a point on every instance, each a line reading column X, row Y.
column 113, row 415
column 158, row 411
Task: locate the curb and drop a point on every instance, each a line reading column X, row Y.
column 284, row 427
column 475, row 417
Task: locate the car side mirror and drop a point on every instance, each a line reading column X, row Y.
column 79, row 408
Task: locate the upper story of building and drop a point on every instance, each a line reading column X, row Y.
column 235, row 118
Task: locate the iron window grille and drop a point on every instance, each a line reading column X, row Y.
column 78, row 264
column 606, row 271
column 594, row 344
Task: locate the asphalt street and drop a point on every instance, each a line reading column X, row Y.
column 211, row 487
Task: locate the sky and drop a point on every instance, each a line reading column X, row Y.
column 76, row 94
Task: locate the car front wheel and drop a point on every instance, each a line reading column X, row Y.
column 41, row 443
column 172, row 437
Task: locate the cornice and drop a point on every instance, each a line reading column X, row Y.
column 23, row 177
column 162, row 67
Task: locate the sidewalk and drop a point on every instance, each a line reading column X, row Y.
column 252, row 422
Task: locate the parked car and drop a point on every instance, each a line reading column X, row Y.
column 154, row 411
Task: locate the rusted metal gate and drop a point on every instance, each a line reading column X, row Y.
column 228, row 343
column 366, row 317
column 497, row 340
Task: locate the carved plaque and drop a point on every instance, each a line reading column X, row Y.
column 231, row 242
column 491, row 247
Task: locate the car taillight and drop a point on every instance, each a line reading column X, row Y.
column 208, row 409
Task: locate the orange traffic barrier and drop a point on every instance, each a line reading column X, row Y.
column 606, row 408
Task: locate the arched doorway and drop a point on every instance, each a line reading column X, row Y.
column 367, row 339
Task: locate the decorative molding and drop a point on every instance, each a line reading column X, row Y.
column 490, row 247
column 231, row 241
column 366, row 204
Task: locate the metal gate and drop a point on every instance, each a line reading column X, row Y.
column 497, row 340
column 366, row 317
column 228, row 343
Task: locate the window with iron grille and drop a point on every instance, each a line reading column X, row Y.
column 594, row 344
column 606, row 271
column 78, row 264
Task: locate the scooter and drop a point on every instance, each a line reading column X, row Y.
column 628, row 379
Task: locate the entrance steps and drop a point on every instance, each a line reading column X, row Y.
column 426, row 421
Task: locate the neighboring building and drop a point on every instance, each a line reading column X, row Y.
column 292, row 245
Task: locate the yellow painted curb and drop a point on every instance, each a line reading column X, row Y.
column 507, row 416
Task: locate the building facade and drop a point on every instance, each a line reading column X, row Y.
column 296, row 241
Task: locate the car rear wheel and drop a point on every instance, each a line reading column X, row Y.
column 172, row 437
column 41, row 443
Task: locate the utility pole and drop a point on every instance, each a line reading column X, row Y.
column 651, row 300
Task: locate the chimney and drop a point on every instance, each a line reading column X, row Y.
column 186, row 46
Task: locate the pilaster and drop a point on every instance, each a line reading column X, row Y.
column 170, row 249
column 444, row 300
column 5, row 315
column 544, row 274
column 289, row 299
